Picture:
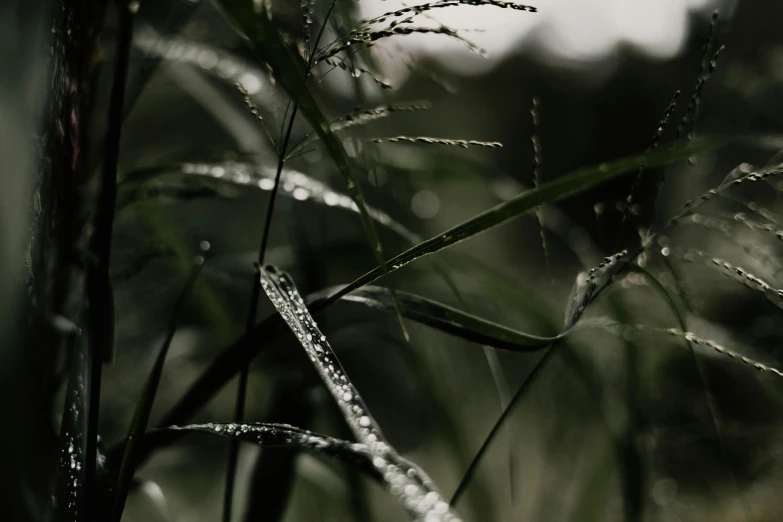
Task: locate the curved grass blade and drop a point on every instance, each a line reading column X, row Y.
column 141, row 416
column 444, row 318
column 556, row 190
column 254, row 21
column 293, row 184
column 270, row 435
column 412, row 487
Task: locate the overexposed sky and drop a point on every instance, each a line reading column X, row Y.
column 570, row 30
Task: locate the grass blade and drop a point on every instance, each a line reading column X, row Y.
column 268, row 435
column 444, row 318
column 141, row 416
column 557, row 190
column 293, row 184
column 408, row 483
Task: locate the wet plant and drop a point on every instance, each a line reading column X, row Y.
column 308, row 158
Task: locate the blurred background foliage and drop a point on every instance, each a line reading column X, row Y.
column 615, row 427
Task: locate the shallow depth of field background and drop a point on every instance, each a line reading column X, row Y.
column 604, row 71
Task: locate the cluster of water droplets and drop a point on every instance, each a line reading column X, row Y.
column 71, row 472
column 283, row 435
column 588, row 284
column 210, row 60
column 407, row 482
column 293, row 184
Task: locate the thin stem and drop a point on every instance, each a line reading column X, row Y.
column 141, row 417
column 320, row 34
column 239, row 412
column 471, row 471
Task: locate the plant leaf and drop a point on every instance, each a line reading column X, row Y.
column 141, row 416
column 412, row 487
column 444, row 318
column 579, row 181
column 270, row 435
column 293, row 184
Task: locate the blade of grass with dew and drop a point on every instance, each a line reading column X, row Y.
column 141, row 416
column 412, row 487
column 265, row 40
column 72, row 466
column 269, row 435
column 552, row 191
column 293, row 184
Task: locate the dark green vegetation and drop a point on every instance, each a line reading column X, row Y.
column 192, row 169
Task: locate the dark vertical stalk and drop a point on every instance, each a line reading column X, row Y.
column 632, row 471
column 529, row 380
column 101, row 315
column 239, row 411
